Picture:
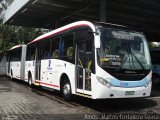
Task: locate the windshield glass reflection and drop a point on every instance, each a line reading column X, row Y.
column 123, row 50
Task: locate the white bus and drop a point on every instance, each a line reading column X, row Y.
column 94, row 60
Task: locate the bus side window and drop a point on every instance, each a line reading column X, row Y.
column 54, row 48
column 15, row 56
column 45, row 49
column 30, row 53
column 19, row 54
column 11, row 56
column 67, row 49
column 38, row 56
column 89, row 55
column 32, row 56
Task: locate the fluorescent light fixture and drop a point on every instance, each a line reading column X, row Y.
column 24, row 10
column 34, row 2
column 12, row 21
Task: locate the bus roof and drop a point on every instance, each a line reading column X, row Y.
column 64, row 28
column 16, row 46
column 111, row 24
column 92, row 25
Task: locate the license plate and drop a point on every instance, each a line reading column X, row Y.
column 129, row 93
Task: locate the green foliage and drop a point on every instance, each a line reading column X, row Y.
column 13, row 35
column 152, row 45
column 25, row 35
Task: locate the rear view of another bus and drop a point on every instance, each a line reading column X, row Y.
column 155, row 57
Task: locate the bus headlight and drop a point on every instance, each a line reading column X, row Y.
column 104, row 82
column 148, row 83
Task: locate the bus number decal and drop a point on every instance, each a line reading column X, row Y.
column 124, row 84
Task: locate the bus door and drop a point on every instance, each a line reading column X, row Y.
column 38, row 64
column 83, row 66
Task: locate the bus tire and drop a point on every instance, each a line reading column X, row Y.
column 66, row 90
column 30, row 80
column 156, row 80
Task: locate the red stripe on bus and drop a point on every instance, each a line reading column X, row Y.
column 59, row 32
column 17, row 77
column 46, row 84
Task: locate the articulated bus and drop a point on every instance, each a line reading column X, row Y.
column 95, row 60
column 155, row 57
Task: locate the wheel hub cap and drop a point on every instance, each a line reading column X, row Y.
column 66, row 89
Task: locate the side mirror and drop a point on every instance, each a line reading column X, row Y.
column 97, row 41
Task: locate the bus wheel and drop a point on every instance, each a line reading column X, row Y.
column 156, row 80
column 66, row 90
column 30, row 80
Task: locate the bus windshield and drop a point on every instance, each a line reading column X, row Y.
column 123, row 50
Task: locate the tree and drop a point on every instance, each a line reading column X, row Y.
column 13, row 35
column 24, row 35
column 5, row 37
column 152, row 45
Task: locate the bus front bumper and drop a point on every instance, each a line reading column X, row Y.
column 103, row 92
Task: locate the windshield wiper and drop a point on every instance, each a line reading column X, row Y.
column 137, row 60
column 129, row 52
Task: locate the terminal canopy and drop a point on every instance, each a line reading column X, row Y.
column 142, row 14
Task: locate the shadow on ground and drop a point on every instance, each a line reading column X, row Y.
column 108, row 105
column 117, row 105
column 105, row 105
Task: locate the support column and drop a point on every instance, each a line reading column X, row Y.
column 103, row 10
